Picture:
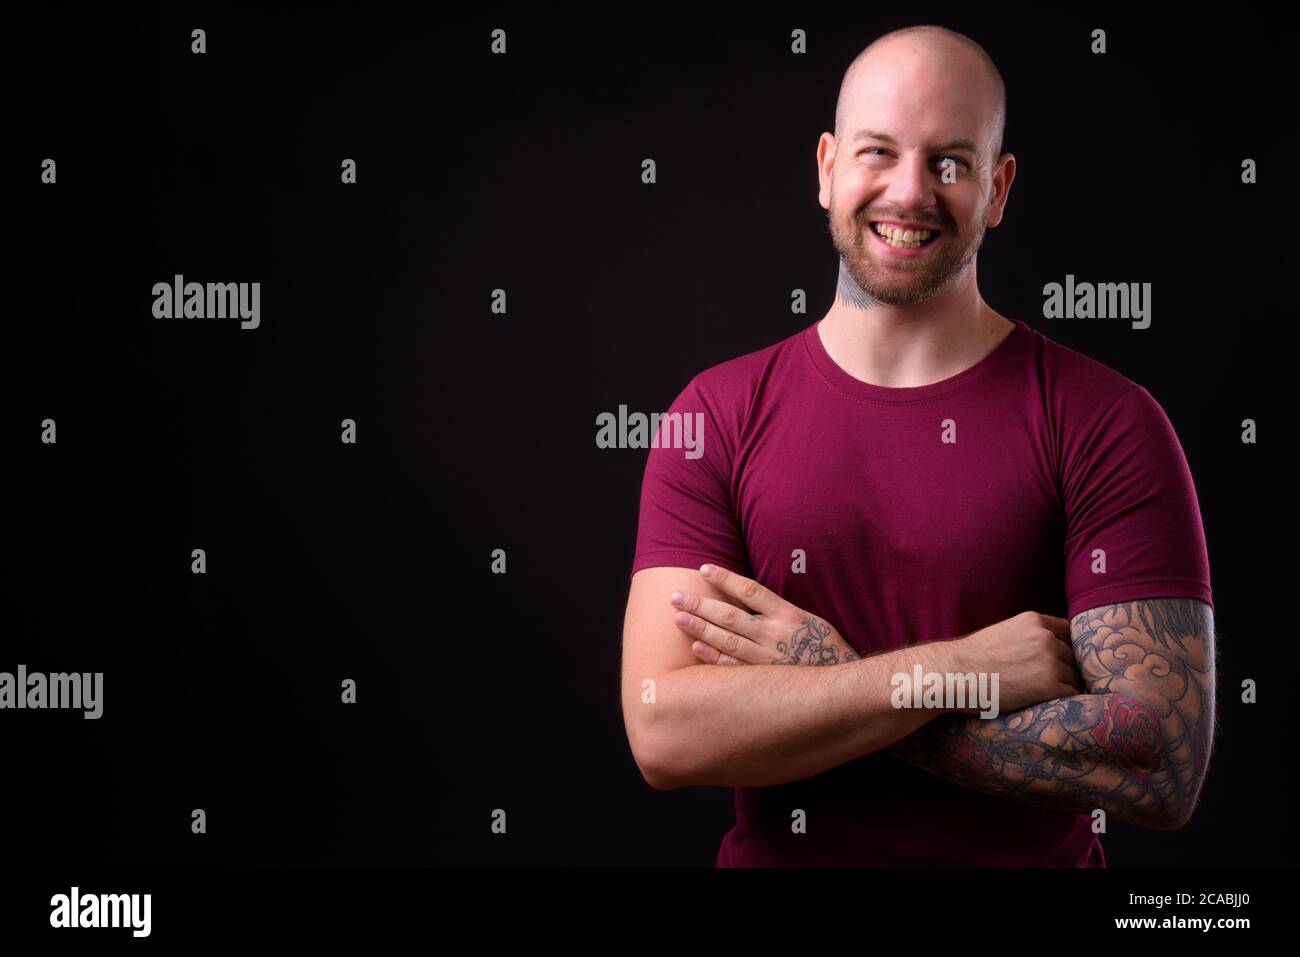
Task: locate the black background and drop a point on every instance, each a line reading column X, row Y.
column 476, row 431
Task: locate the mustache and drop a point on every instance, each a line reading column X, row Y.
column 920, row 222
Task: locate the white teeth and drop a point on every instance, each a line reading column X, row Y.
column 903, row 238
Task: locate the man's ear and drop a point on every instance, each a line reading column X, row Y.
column 1006, row 171
column 825, row 168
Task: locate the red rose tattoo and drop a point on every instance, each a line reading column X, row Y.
column 1130, row 731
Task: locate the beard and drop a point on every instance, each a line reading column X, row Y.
column 902, row 280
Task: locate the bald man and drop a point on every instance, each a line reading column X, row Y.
column 937, row 591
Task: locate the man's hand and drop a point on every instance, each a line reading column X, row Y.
column 772, row 632
column 1031, row 655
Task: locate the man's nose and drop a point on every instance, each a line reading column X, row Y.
column 910, row 182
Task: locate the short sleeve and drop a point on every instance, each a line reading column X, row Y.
column 687, row 515
column 1133, row 523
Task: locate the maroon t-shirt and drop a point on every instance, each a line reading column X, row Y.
column 908, row 538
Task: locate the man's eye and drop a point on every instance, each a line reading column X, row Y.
column 870, row 150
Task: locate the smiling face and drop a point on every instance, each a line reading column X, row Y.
column 908, row 107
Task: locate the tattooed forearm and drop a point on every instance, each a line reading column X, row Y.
column 1161, row 650
column 1077, row 753
column 1137, row 744
column 813, row 643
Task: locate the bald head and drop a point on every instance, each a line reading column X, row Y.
column 892, row 57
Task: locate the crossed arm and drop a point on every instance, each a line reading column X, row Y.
column 1135, row 745
column 1135, row 742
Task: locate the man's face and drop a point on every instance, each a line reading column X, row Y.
column 919, row 108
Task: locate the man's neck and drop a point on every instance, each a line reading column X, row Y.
column 910, row 345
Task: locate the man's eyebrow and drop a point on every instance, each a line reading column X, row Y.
column 886, row 138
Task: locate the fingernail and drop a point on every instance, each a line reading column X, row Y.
column 683, row 619
column 706, row 570
column 675, row 598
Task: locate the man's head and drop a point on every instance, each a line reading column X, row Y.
column 908, row 103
